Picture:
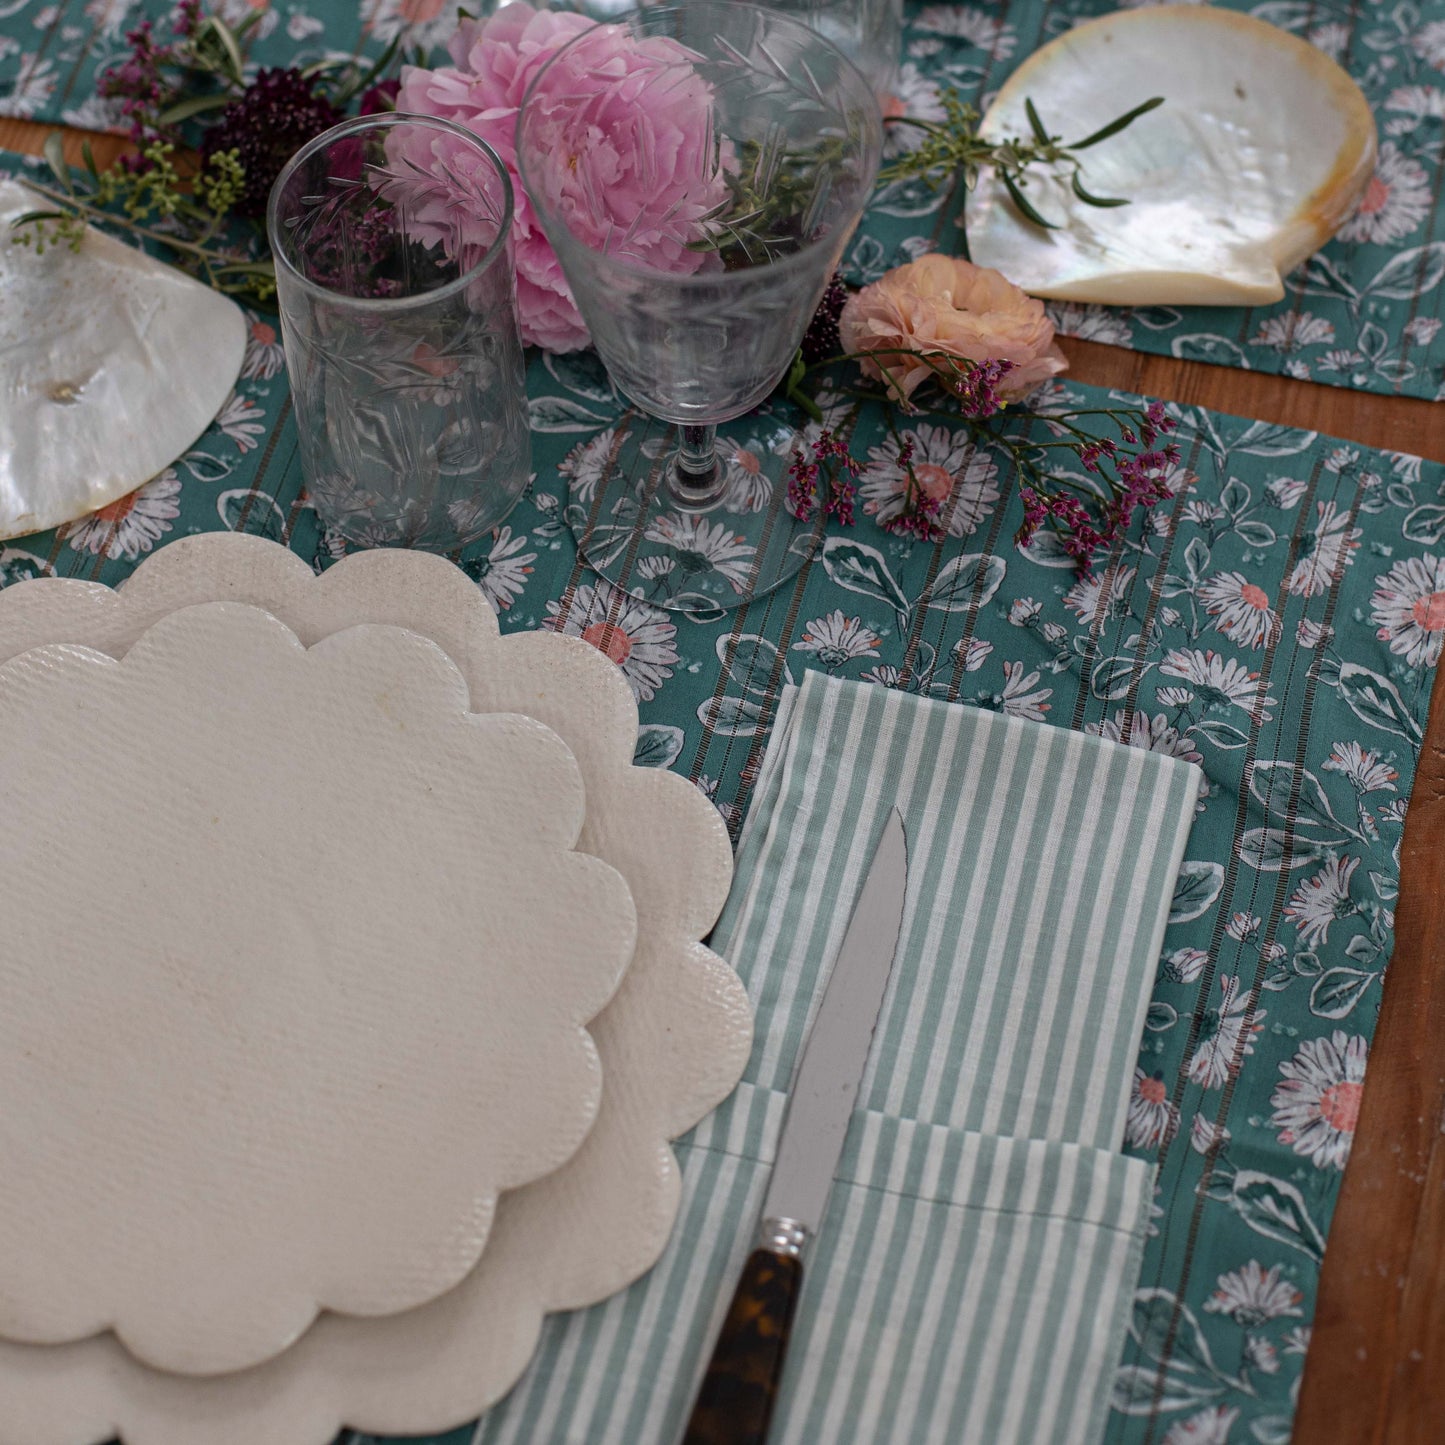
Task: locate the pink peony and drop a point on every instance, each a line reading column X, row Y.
column 642, row 149
column 940, row 304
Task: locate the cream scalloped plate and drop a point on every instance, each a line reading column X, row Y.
column 1262, row 149
column 672, row 1042
column 111, row 365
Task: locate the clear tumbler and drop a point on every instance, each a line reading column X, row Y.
column 393, row 247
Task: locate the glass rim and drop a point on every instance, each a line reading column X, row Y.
column 795, row 260
column 380, row 121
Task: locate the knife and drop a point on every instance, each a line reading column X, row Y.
column 735, row 1401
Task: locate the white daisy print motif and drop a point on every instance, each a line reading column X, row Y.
column 424, row 23
column 1240, row 608
column 700, row 546
column 1021, row 695
column 1317, row 1103
column 946, row 465
column 971, row 24
column 1364, row 769
column 503, row 572
column 1090, row 322
column 972, row 654
column 835, row 640
column 264, row 356
column 1328, row 546
column 33, row 85
column 586, row 464
column 1101, row 595
column 748, row 486
column 917, row 97
column 1395, row 203
column 1152, row 1120
column 1408, row 607
column 1153, row 734
column 1208, row 1427
column 1291, row 332
column 1229, row 1034
column 635, row 635
column 1318, row 901
column 1205, row 1135
column 1218, row 682
column 131, row 526
column 1252, row 1296
column 242, row 421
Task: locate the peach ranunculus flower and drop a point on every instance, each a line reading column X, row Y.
column 944, row 305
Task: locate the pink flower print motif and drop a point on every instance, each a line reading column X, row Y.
column 1218, row 682
column 632, row 633
column 1152, row 1119
column 1185, row 965
column 264, row 356
column 1208, row 1427
column 835, row 640
column 1252, row 1296
column 1318, row 901
column 1317, row 1102
column 1329, row 547
column 1101, row 596
column 1364, row 769
column 1241, row 608
column 1408, row 607
column 1395, row 203
column 1021, row 697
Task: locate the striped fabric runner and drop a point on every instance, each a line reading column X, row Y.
column 972, row 1280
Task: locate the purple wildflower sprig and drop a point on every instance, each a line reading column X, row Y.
column 1122, row 449
column 830, row 465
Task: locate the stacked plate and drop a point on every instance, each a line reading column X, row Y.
column 352, row 991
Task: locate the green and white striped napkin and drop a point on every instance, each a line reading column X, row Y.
column 971, row 1283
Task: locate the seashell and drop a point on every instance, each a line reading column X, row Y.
column 111, row 365
column 1262, row 149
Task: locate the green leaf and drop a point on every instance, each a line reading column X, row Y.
column 1195, row 890
column 1409, row 273
column 561, row 414
column 658, row 745
column 861, row 569
column 27, row 217
column 1025, row 208
column 1088, row 197
column 1220, row 734
column 731, row 717
column 1270, row 851
column 1165, row 1327
column 1035, row 124
column 246, row 510
column 1112, row 677
column 1143, row 1389
column 1160, row 1017
column 1235, row 497
column 88, row 156
column 1294, row 794
column 230, row 46
column 1115, row 126
column 1258, row 535
column 1338, row 990
column 1276, row 1209
column 1272, row 1429
column 1377, row 701
column 752, row 663
column 54, row 151
column 965, row 583
column 1196, row 559
column 195, row 105
column 1425, row 524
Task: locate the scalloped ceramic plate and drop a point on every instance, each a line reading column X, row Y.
column 111, row 365
column 1262, row 149
column 673, row 1042
column 345, row 954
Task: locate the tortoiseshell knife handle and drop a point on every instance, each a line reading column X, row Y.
column 740, row 1388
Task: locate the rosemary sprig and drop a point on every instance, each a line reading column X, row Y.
column 953, row 146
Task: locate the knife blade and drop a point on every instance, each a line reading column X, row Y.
column 735, row 1401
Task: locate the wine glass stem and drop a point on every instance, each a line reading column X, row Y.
column 697, row 475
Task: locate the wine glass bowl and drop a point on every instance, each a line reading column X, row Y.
column 698, row 170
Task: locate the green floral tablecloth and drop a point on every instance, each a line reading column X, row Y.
column 1366, row 312
column 1277, row 621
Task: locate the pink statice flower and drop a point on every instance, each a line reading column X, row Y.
column 634, row 160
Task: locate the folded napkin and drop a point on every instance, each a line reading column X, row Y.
column 971, row 1281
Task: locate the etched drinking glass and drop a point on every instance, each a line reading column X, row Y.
column 393, row 243
column 868, row 32
column 698, row 169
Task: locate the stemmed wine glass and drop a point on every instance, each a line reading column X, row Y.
column 698, row 169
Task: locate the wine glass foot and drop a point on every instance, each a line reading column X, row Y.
column 691, row 549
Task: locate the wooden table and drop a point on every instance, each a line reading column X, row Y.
column 1375, row 1374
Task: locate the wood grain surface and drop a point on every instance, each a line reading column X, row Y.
column 1375, row 1374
